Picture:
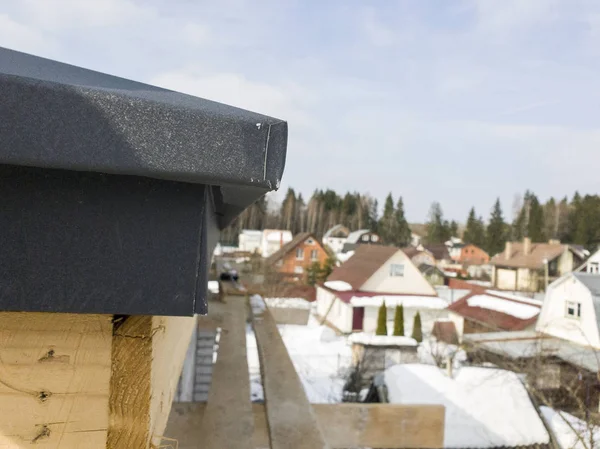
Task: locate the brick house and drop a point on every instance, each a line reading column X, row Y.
column 473, row 255
column 294, row 258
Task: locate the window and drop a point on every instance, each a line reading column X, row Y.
column 365, row 238
column 310, row 242
column 374, row 238
column 314, row 255
column 298, row 269
column 573, row 309
column 594, row 267
column 397, row 269
column 299, row 254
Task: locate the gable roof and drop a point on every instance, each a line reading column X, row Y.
column 367, row 259
column 337, row 229
column 438, row 250
column 497, row 311
column 412, row 251
column 289, row 246
column 73, row 118
column 353, row 237
column 534, row 259
column 445, row 331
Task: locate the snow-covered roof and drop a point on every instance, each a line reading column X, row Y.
column 485, row 407
column 339, row 286
column 273, row 235
column 288, row 303
column 353, row 237
column 516, row 309
column 414, row 302
column 343, row 257
column 251, row 232
column 526, row 299
column 335, row 230
column 570, row 430
column 369, row 339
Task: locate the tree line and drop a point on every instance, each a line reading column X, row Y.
column 574, row 221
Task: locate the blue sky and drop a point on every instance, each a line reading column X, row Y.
column 451, row 101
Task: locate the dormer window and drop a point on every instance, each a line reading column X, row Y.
column 573, row 309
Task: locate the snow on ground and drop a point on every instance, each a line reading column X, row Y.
column 366, row 338
column 288, row 303
column 213, row 286
column 320, row 357
column 257, row 304
column 415, row 302
column 339, row 286
column 433, row 352
column 569, row 430
column 518, row 310
column 485, row 407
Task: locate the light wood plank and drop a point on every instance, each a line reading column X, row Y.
column 228, row 422
column 344, row 425
column 291, row 419
column 54, row 380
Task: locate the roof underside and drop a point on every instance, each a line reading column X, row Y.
column 55, row 115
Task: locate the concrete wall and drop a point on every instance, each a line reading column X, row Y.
column 554, row 321
column 428, row 317
column 289, row 315
column 412, row 282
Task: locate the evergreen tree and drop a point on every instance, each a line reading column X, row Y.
column 475, row 230
column 382, row 320
column 399, row 321
column 551, row 219
column 313, row 273
column 535, row 225
column 438, row 230
column 386, row 226
column 327, row 268
column 417, row 332
column 403, row 234
column 496, row 231
column 454, row 229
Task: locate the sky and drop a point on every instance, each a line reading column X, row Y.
column 458, row 101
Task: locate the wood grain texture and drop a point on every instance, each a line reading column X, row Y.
column 344, row 425
column 54, row 380
column 228, row 422
column 291, row 419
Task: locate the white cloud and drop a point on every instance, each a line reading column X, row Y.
column 375, row 30
column 21, row 37
column 507, row 17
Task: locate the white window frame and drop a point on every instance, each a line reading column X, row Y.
column 298, row 269
column 314, row 255
column 575, row 306
column 594, row 267
column 310, row 242
column 397, row 270
column 299, row 253
column 365, row 238
column 374, row 238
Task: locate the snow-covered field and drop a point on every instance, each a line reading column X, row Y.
column 320, row 357
column 570, row 430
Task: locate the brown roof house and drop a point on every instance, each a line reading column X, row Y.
column 527, row 266
column 294, row 258
column 490, row 311
column 353, row 293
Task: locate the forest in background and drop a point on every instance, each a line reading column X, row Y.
column 575, row 220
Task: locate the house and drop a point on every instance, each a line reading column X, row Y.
column 527, row 266
column 440, row 253
column 473, row 255
column 250, row 241
column 360, row 237
column 591, row 265
column 565, row 344
column 273, row 240
column 489, row 311
column 455, row 246
column 419, row 255
column 433, row 274
column 297, row 255
column 485, row 407
column 351, row 297
column 335, row 238
column 415, row 239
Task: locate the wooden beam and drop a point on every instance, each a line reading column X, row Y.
column 228, row 422
column 291, row 419
column 344, row 425
column 70, row 381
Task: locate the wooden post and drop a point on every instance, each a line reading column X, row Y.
column 71, row 381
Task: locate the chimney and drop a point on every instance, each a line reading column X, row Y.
column 508, row 250
column 526, row 246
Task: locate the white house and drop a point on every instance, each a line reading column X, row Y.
column 249, row 240
column 571, row 310
column 335, row 238
column 592, row 265
column 353, row 293
column 272, row 240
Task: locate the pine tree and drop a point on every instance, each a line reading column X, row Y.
column 399, row 321
column 313, row 273
column 417, row 332
column 535, row 225
column 438, row 230
column 386, row 223
column 496, row 231
column 382, row 320
column 475, row 230
column 403, row 234
column 454, row 229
